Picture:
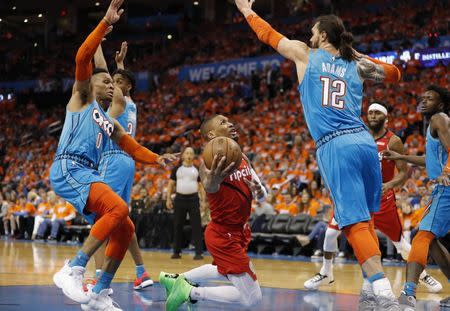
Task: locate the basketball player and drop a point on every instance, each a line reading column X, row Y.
column 436, row 220
column 387, row 219
column 116, row 166
column 227, row 235
column 331, row 76
column 74, row 176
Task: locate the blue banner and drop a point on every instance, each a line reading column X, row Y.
column 242, row 66
column 427, row 57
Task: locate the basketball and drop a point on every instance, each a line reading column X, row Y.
column 222, row 146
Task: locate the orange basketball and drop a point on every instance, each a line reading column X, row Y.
column 222, row 146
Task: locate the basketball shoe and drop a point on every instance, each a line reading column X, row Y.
column 100, row 302
column 70, row 280
column 143, row 282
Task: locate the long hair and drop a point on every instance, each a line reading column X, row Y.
column 337, row 35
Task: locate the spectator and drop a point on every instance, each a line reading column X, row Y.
column 43, row 211
column 62, row 214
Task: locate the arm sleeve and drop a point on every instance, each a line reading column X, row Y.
column 264, row 31
column 256, row 178
column 87, row 50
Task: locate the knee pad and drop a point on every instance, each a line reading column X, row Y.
column 330, row 244
column 363, row 243
column 420, row 247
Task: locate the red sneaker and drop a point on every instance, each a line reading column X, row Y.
column 143, row 282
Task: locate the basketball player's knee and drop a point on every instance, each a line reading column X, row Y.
column 253, row 299
column 420, row 247
column 362, row 241
column 128, row 228
column 330, row 242
column 120, row 211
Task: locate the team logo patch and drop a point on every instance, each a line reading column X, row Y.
column 240, row 173
column 103, row 122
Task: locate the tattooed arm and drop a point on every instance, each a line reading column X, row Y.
column 375, row 70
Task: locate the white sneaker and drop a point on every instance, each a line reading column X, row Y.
column 70, row 280
column 58, row 276
column 100, row 302
column 431, row 284
column 318, row 280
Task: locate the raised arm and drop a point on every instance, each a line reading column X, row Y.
column 294, row 50
column 83, row 60
column 99, row 59
column 120, row 56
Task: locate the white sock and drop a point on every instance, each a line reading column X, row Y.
column 203, row 273
column 245, row 291
column 327, row 267
column 382, row 287
column 224, row 294
column 366, row 286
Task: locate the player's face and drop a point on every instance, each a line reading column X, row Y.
column 103, row 86
column 376, row 120
column 188, row 155
column 122, row 83
column 223, row 127
column 315, row 36
column 430, row 102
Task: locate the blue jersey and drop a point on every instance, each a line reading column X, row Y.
column 331, row 94
column 128, row 120
column 86, row 133
column 436, row 156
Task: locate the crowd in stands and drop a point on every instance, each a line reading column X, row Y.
column 264, row 107
column 377, row 22
column 273, row 135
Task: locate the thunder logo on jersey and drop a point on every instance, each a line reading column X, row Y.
column 102, row 122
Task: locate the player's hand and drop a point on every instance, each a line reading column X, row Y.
column 386, row 186
column 391, row 155
column 243, row 5
column 120, row 56
column 255, row 187
column 217, row 173
column 169, row 203
column 444, row 179
column 167, row 158
column 114, row 12
column 108, row 31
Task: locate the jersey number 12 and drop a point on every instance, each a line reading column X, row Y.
column 332, row 92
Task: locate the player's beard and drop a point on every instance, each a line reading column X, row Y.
column 377, row 127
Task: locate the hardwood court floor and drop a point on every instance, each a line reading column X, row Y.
column 28, row 264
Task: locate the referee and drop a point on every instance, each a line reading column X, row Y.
column 185, row 179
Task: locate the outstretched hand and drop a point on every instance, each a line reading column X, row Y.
column 391, row 155
column 244, row 4
column 167, row 158
column 114, row 12
column 120, row 56
column 444, row 179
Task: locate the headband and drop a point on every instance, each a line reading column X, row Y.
column 378, row 107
